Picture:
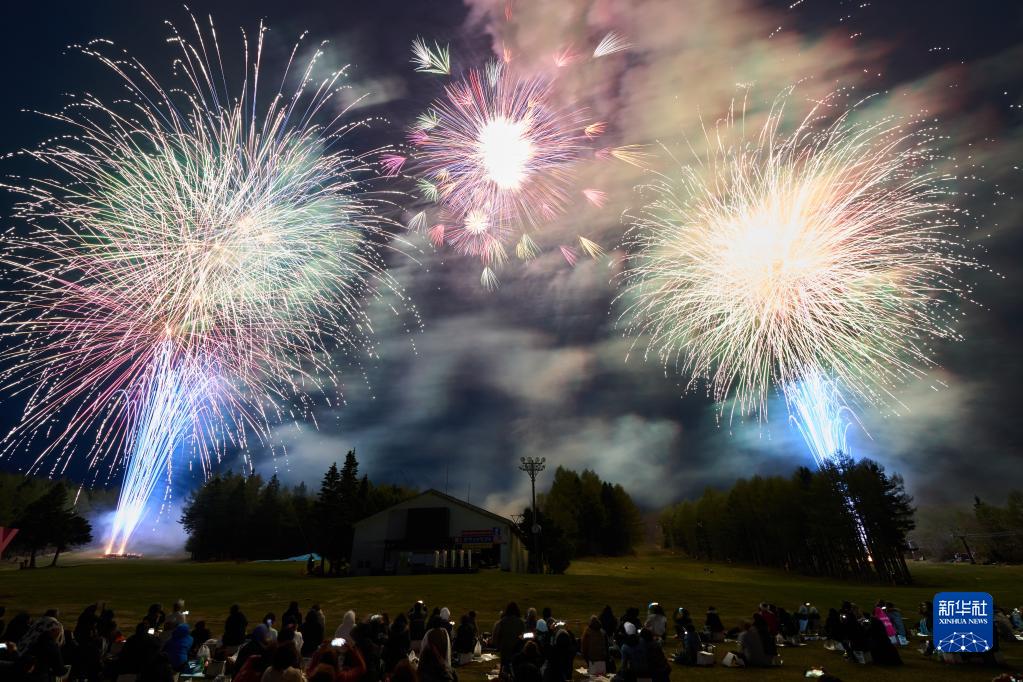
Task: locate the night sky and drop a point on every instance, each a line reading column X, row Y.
column 539, row 366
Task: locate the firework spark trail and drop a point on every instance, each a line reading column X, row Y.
column 500, row 158
column 236, row 231
column 172, row 414
column 830, row 250
column 817, row 410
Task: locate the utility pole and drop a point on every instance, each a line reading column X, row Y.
column 532, row 466
column 969, row 552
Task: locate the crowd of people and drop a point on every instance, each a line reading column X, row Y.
column 427, row 645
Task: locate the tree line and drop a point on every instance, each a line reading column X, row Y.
column 582, row 515
column 997, row 532
column 847, row 520
column 44, row 513
column 243, row 517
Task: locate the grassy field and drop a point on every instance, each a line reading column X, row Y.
column 129, row 586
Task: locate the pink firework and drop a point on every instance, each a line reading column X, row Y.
column 499, row 155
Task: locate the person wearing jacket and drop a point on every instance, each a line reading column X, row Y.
column 593, row 646
column 178, row 646
column 507, row 635
column 235, row 627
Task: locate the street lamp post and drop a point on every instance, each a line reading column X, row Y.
column 532, row 466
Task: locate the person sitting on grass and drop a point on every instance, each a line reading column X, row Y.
column 200, row 635
column 292, row 616
column 433, row 665
column 713, row 626
column 465, row 638
column 760, row 624
column 691, row 646
column 656, row 621
column 398, row 644
column 751, row 647
column 312, row 630
column 155, row 616
column 235, row 627
column 593, row 646
column 177, row 615
column 882, row 650
column 258, row 644
column 528, row 663
column 284, row 665
column 560, row 656
column 178, row 646
column 507, row 634
column 42, row 643
column 344, row 630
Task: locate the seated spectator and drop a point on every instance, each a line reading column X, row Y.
column 255, row 665
column 177, row 615
column 593, row 646
column 312, row 630
column 465, row 638
column 155, row 616
column 284, row 665
column 657, row 663
column 751, row 647
column 634, row 657
column 882, row 651
column 766, row 636
column 290, row 633
column 138, row 650
column 561, row 655
column 398, row 644
column 531, row 619
column 268, row 620
column 200, row 634
column 257, row 645
column 608, row 622
column 292, row 616
column 417, row 624
column 691, row 645
column 433, row 666
column 1003, row 626
column 17, row 628
column 713, row 625
column 527, row 663
column 895, row 616
column 178, row 646
column 507, row 634
column 235, row 627
column 344, row 630
column 42, row 643
column 656, row 621
column 158, row 669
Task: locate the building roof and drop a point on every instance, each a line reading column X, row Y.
column 451, row 500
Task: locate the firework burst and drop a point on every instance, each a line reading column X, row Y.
column 830, row 251
column 192, row 260
column 500, row 158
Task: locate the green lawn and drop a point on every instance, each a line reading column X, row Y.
column 130, row 586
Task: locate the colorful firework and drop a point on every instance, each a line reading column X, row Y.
column 192, row 261
column 831, row 251
column 500, row 158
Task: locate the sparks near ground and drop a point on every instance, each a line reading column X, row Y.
column 499, row 158
column 193, row 258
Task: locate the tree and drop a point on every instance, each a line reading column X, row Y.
column 49, row 521
column 328, row 510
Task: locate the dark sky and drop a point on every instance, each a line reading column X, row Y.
column 538, row 367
